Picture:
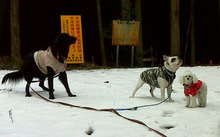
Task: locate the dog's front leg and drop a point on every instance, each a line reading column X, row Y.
column 162, row 83
column 194, row 101
column 50, row 74
column 63, row 79
column 162, row 89
column 169, row 93
column 187, row 101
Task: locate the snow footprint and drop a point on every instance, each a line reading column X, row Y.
column 168, row 113
column 167, row 126
column 217, row 91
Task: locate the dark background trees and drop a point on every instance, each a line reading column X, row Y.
column 40, row 24
column 15, row 33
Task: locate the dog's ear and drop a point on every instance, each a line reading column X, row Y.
column 165, row 58
column 181, row 79
column 195, row 79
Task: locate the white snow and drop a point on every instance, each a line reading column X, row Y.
column 34, row 117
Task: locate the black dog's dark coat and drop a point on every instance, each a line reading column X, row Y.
column 30, row 70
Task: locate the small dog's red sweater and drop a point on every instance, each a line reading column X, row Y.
column 193, row 88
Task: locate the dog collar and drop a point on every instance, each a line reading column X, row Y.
column 187, row 86
column 60, row 57
column 168, row 71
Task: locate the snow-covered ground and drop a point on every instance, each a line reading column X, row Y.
column 34, row 117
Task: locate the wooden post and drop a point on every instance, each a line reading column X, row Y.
column 117, row 56
column 132, row 56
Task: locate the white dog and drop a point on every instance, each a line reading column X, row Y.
column 193, row 88
column 161, row 78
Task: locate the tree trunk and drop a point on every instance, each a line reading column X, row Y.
column 15, row 33
column 187, row 40
column 192, row 33
column 175, row 28
column 125, row 9
column 139, row 51
column 101, row 40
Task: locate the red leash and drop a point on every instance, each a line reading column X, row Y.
column 94, row 109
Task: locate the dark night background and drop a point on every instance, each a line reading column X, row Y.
column 40, row 24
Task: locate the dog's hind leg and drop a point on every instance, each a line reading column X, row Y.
column 41, row 84
column 27, row 87
column 152, row 90
column 140, row 83
column 201, row 100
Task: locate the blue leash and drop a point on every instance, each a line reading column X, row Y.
column 150, row 105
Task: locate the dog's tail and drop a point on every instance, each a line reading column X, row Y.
column 13, row 77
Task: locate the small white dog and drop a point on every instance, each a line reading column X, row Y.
column 193, row 88
column 161, row 78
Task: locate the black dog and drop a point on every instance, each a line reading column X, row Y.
column 42, row 64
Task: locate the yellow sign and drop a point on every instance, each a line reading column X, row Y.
column 125, row 33
column 71, row 24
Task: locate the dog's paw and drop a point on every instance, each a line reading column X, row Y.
column 72, row 95
column 203, row 105
column 52, row 97
column 169, row 101
column 28, row 95
column 131, row 97
column 187, row 106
